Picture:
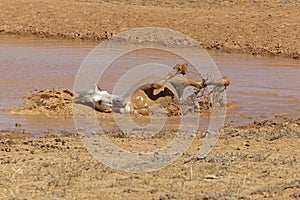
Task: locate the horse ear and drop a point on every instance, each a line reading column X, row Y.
column 97, row 88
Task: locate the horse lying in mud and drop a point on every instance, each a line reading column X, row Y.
column 167, row 92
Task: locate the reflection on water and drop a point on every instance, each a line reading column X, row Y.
column 260, row 85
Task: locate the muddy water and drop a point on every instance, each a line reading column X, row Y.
column 31, row 63
column 261, row 86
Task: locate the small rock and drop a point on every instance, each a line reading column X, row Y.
column 296, row 195
column 45, row 164
column 210, row 176
column 57, row 139
column 18, row 125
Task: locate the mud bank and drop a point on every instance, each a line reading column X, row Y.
column 50, row 102
column 254, row 27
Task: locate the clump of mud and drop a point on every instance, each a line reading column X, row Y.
column 49, row 102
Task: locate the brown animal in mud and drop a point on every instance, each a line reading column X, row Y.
column 152, row 97
column 167, row 92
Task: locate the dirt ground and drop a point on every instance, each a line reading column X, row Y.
column 256, row 161
column 251, row 26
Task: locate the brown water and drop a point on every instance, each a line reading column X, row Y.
column 261, row 86
column 31, row 63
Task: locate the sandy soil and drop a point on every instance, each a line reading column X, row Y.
column 257, row 161
column 256, row 27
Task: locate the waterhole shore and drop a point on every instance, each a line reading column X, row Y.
column 254, row 27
